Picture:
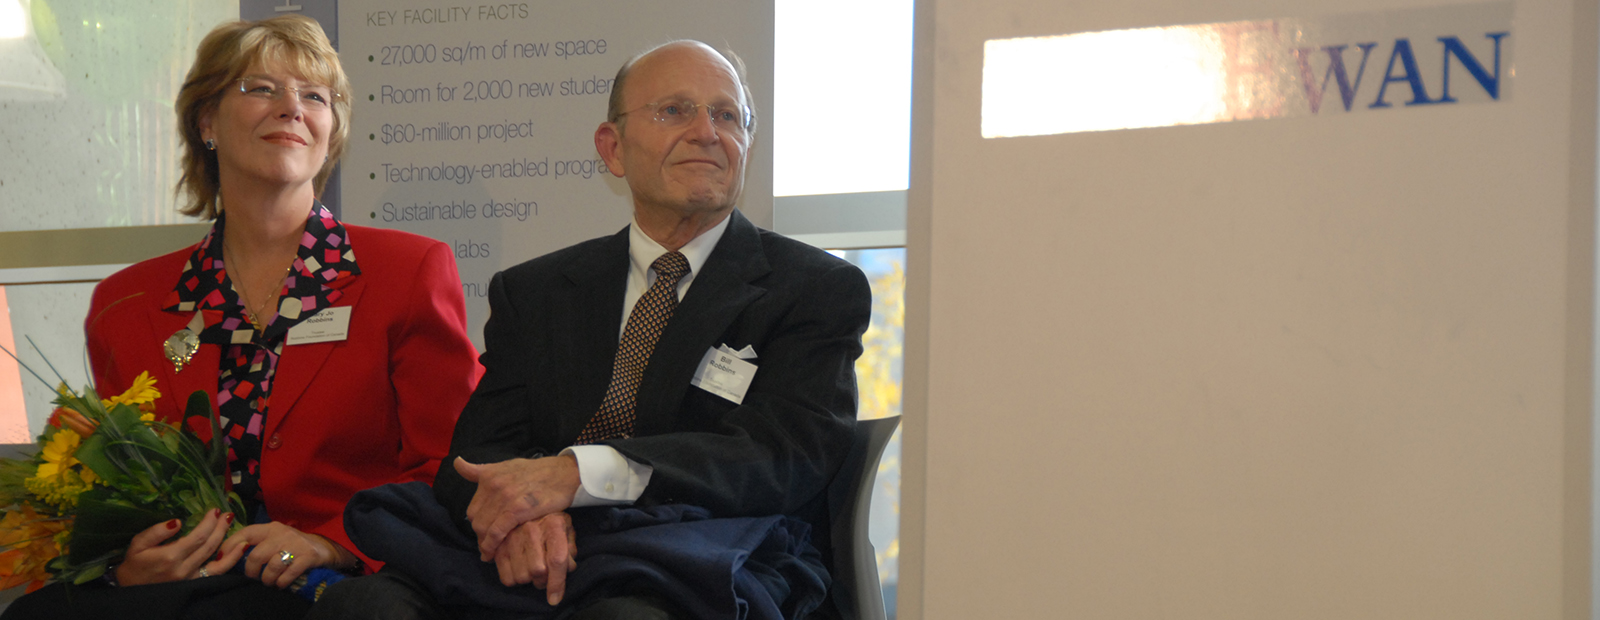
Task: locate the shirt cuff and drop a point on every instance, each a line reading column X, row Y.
column 606, row 478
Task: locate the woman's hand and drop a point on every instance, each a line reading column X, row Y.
column 267, row 561
column 152, row 559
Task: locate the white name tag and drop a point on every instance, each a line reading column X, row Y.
column 328, row 325
column 721, row 372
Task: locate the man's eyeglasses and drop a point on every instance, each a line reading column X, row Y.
column 680, row 113
column 311, row 96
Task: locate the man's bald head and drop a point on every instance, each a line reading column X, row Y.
column 614, row 106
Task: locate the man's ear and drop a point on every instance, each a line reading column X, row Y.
column 608, row 142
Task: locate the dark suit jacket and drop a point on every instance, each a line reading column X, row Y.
column 345, row 416
column 553, row 331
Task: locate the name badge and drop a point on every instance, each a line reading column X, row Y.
column 721, row 372
column 327, row 325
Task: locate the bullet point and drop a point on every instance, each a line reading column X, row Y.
column 372, row 175
column 374, row 215
column 369, row 58
column 371, row 98
column 372, row 136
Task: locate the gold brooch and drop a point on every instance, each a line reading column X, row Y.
column 180, row 346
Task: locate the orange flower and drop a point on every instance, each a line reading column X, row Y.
column 79, row 424
column 29, row 540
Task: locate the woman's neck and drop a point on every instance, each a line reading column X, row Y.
column 261, row 241
column 266, row 224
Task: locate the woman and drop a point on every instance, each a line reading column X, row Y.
column 330, row 374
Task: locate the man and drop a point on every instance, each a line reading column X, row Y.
column 584, row 404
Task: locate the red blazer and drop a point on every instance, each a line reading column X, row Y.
column 375, row 408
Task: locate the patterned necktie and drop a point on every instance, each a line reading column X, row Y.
column 650, row 315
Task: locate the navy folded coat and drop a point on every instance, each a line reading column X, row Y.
column 761, row 568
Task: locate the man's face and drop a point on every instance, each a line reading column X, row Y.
column 683, row 170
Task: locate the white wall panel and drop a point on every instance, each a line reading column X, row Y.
column 1313, row 366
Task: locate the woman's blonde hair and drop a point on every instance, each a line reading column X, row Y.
column 295, row 42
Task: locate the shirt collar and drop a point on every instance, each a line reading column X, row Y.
column 643, row 251
column 324, row 258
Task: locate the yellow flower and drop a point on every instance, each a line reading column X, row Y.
column 29, row 541
column 148, row 417
column 60, row 452
column 142, row 392
column 61, row 477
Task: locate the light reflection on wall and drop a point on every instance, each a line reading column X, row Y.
column 1231, row 71
column 1048, row 85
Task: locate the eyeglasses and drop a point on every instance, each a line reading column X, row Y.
column 311, row 96
column 680, row 113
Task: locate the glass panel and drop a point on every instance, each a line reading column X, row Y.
column 105, row 153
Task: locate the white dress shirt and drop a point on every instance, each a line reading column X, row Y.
column 608, row 478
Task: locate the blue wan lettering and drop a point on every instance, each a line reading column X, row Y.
column 1419, row 94
column 1490, row 83
column 1336, row 70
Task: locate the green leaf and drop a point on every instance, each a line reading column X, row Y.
column 191, row 502
column 92, row 452
column 90, row 572
column 84, row 572
column 200, row 406
column 150, row 473
column 105, row 524
column 173, row 442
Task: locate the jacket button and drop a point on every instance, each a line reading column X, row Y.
column 274, row 442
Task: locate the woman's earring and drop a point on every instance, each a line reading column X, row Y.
column 211, row 145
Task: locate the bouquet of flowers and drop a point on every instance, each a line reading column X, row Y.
column 106, row 470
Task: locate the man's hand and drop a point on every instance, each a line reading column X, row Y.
column 539, row 552
column 514, row 492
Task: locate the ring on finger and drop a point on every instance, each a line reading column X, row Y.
column 286, row 557
column 204, row 573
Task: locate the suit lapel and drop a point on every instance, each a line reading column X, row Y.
column 300, row 363
column 200, row 374
column 592, row 316
column 719, row 293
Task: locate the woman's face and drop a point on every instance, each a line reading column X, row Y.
column 274, row 131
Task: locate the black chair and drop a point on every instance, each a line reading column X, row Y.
column 856, row 590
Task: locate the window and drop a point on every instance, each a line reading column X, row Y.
column 841, row 146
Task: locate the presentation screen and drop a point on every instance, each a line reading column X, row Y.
column 474, row 124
